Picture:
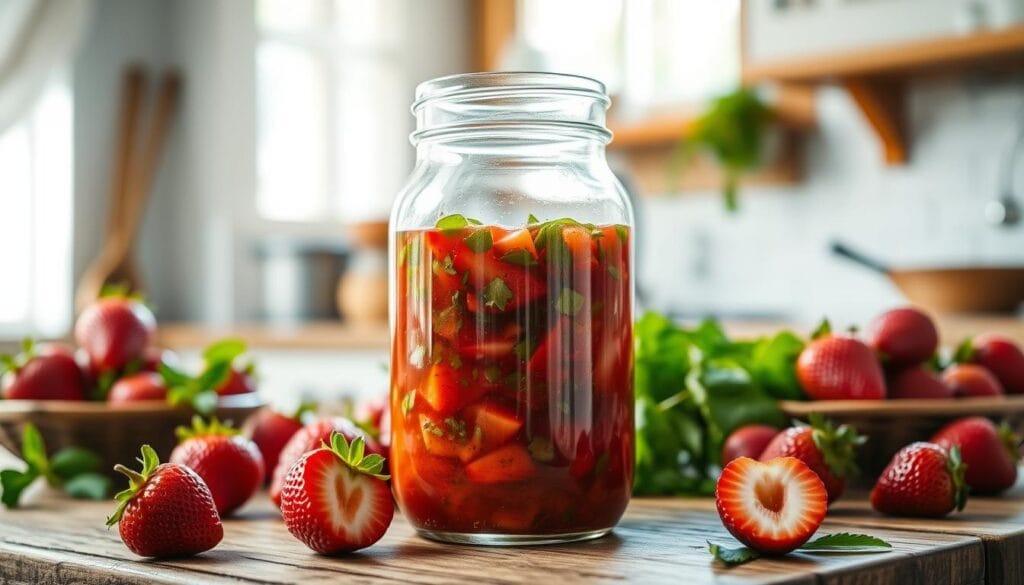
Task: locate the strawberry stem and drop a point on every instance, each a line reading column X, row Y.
column 135, row 478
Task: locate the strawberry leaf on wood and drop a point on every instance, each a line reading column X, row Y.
column 88, row 486
column 62, row 471
column 732, row 556
column 847, row 542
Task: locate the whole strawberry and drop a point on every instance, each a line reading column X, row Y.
column 115, row 331
column 335, row 499
column 138, row 387
column 989, row 453
column 903, row 336
column 917, row 382
column 924, row 480
column 230, row 464
column 747, row 441
column 970, row 380
column 271, row 430
column 311, row 437
column 239, row 381
column 167, row 510
column 828, row 450
column 840, row 368
column 53, row 374
column 1003, row 358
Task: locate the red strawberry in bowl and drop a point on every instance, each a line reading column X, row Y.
column 827, row 450
column 747, row 441
column 335, row 499
column 167, row 510
column 969, row 380
column 840, row 368
column 230, row 464
column 923, row 480
column 989, row 452
column 903, row 336
column 138, row 387
column 271, row 430
column 1003, row 358
column 310, row 437
column 51, row 375
column 115, row 331
column 917, row 382
column 773, row 506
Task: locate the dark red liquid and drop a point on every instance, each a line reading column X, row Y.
column 512, row 378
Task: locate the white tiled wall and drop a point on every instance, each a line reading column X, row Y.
column 772, row 259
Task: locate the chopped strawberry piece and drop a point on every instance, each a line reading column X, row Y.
column 491, row 426
column 446, row 393
column 509, row 463
column 485, row 268
column 516, row 240
column 437, row 439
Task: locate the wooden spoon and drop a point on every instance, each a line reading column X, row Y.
column 116, row 262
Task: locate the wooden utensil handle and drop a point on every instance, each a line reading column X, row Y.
column 145, row 169
column 134, row 81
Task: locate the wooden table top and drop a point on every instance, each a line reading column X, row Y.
column 663, row 540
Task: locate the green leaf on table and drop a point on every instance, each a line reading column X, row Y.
column 479, row 241
column 33, row 449
column 732, row 556
column 847, row 542
column 72, row 461
column 225, row 350
column 569, row 302
column 88, row 486
column 497, row 294
column 13, row 483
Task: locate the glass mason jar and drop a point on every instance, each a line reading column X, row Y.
column 511, row 314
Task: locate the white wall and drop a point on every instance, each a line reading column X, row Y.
column 771, row 259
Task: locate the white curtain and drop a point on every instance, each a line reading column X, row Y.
column 36, row 37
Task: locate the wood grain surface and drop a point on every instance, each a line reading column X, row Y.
column 55, row 540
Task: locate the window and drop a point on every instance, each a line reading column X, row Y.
column 650, row 53
column 35, row 218
column 332, row 111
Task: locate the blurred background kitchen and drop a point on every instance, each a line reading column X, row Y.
column 887, row 126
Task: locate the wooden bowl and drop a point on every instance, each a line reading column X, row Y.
column 114, row 432
column 892, row 424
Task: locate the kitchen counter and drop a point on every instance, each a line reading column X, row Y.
column 660, row 540
column 338, row 335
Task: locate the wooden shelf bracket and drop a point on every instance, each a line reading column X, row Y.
column 883, row 103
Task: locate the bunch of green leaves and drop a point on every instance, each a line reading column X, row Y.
column 200, row 392
column 695, row 386
column 841, row 542
column 732, row 130
column 72, row 469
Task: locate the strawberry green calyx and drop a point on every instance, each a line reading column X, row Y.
column 353, row 455
column 1011, row 439
column 964, row 353
column 824, row 329
column 136, row 480
column 14, row 363
column 957, row 469
column 837, row 445
column 202, row 428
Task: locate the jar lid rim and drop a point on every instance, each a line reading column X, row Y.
column 468, row 84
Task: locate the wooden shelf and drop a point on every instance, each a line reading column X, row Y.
column 947, row 53
column 875, row 77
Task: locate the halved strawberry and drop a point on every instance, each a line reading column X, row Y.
column 773, row 507
column 336, row 500
column 509, row 463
